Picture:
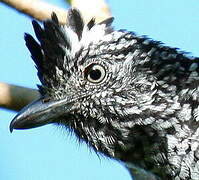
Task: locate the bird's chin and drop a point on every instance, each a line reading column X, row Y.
column 39, row 113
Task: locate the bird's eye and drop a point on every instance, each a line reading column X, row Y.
column 95, row 73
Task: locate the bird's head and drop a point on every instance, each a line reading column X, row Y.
column 93, row 81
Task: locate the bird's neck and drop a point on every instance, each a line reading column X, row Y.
column 167, row 142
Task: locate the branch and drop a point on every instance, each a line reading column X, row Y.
column 41, row 10
column 15, row 97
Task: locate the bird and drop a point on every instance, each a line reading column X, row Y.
column 129, row 97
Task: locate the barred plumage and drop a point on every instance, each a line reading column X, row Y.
column 129, row 97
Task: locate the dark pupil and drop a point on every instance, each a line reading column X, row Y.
column 95, row 74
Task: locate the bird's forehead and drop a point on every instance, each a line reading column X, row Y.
column 107, row 49
column 99, row 44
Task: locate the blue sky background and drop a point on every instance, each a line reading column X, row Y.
column 48, row 153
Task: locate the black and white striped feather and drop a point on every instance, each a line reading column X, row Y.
column 144, row 109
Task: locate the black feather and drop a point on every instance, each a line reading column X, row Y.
column 39, row 32
column 54, row 18
column 35, row 50
column 91, row 23
column 75, row 22
column 108, row 21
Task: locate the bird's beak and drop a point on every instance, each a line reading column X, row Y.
column 39, row 113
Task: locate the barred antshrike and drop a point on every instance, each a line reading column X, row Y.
column 128, row 97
